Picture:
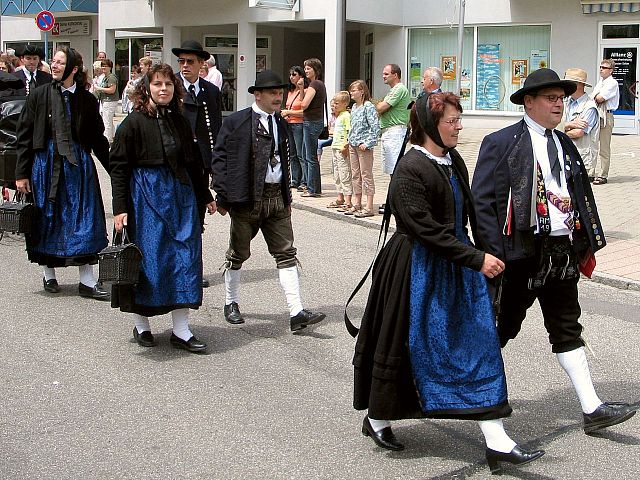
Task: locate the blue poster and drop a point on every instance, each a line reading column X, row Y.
column 488, row 82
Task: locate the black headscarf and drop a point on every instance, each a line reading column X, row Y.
column 427, row 122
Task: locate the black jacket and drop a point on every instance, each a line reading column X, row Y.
column 138, row 143
column 34, row 127
column 505, row 164
column 238, row 175
column 205, row 118
column 42, row 78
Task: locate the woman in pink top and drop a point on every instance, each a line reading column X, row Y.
column 292, row 113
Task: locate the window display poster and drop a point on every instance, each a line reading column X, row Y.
column 448, row 65
column 519, row 71
column 624, row 72
column 415, row 77
column 488, row 77
column 465, row 89
column 539, row 59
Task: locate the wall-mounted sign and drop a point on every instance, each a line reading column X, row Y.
column 69, row 28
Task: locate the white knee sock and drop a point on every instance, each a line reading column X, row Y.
column 495, row 437
column 49, row 273
column 180, row 319
column 576, row 366
column 290, row 283
column 142, row 323
column 378, row 425
column 232, row 286
column 86, row 275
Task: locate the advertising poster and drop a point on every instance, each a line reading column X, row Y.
column 448, row 66
column 465, row 89
column 415, row 77
column 519, row 71
column 488, row 82
column 538, row 59
column 624, row 72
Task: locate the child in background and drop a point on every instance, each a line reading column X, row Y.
column 340, row 150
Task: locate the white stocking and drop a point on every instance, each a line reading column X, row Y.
column 495, row 437
column 49, row 273
column 142, row 323
column 576, row 366
column 232, row 286
column 180, row 319
column 291, row 285
column 86, row 276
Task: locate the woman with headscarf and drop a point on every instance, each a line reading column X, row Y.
column 428, row 345
column 157, row 185
column 59, row 127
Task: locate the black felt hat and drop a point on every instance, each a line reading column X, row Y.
column 540, row 79
column 30, row 49
column 191, row 46
column 267, row 79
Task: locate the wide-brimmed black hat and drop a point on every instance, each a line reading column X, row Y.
column 30, row 49
column 191, row 46
column 540, row 79
column 267, row 79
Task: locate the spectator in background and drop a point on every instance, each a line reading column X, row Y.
column 127, row 104
column 431, row 80
column 607, row 95
column 5, row 64
column 214, row 75
column 145, row 64
column 108, row 96
column 204, row 71
column 293, row 114
column 362, row 138
column 340, row 150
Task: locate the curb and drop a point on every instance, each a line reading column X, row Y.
column 597, row 277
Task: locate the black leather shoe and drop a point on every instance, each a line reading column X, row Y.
column 144, row 339
column 192, row 345
column 606, row 415
column 304, row 318
column 51, row 286
column 232, row 314
column 517, row 456
column 384, row 438
column 205, row 283
column 97, row 292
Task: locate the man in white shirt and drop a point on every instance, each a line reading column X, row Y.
column 607, row 96
column 214, row 76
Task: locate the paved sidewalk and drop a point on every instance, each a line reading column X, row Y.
column 618, row 264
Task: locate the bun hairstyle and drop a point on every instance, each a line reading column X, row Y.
column 141, row 96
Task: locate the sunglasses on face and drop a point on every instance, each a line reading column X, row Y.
column 188, row 61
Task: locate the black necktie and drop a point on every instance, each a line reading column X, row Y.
column 272, row 157
column 32, row 83
column 67, row 105
column 552, row 151
column 192, row 92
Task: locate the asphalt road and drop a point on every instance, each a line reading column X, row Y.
column 80, row 400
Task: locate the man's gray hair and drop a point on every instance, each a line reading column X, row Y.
column 211, row 61
column 436, row 74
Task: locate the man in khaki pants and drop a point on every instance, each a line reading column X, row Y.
column 607, row 96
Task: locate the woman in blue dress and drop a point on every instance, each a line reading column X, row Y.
column 59, row 127
column 428, row 346
column 157, row 187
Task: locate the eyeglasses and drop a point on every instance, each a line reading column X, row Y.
column 188, row 61
column 453, row 121
column 552, row 98
column 602, row 67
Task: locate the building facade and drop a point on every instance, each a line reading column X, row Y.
column 504, row 41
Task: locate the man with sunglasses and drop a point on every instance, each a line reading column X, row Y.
column 607, row 95
column 201, row 106
column 536, row 212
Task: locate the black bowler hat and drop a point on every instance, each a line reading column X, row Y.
column 267, row 79
column 540, row 79
column 30, row 49
column 191, row 46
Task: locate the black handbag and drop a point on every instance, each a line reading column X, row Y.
column 324, row 134
column 18, row 216
column 119, row 263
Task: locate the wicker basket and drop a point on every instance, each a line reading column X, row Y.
column 17, row 216
column 120, row 264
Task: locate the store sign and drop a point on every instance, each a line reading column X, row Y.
column 626, row 59
column 72, row 28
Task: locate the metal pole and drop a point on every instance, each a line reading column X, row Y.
column 460, row 45
column 46, row 46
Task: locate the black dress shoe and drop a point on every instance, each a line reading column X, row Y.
column 232, row 314
column 606, row 415
column 205, row 283
column 304, row 318
column 192, row 345
column 51, row 286
column 517, row 456
column 97, row 292
column 384, row 438
column 144, row 339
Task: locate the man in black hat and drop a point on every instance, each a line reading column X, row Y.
column 251, row 178
column 30, row 75
column 201, row 106
column 536, row 212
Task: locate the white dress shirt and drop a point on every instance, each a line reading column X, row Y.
column 274, row 174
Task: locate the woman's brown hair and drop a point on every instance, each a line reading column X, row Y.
column 141, row 96
column 437, row 103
